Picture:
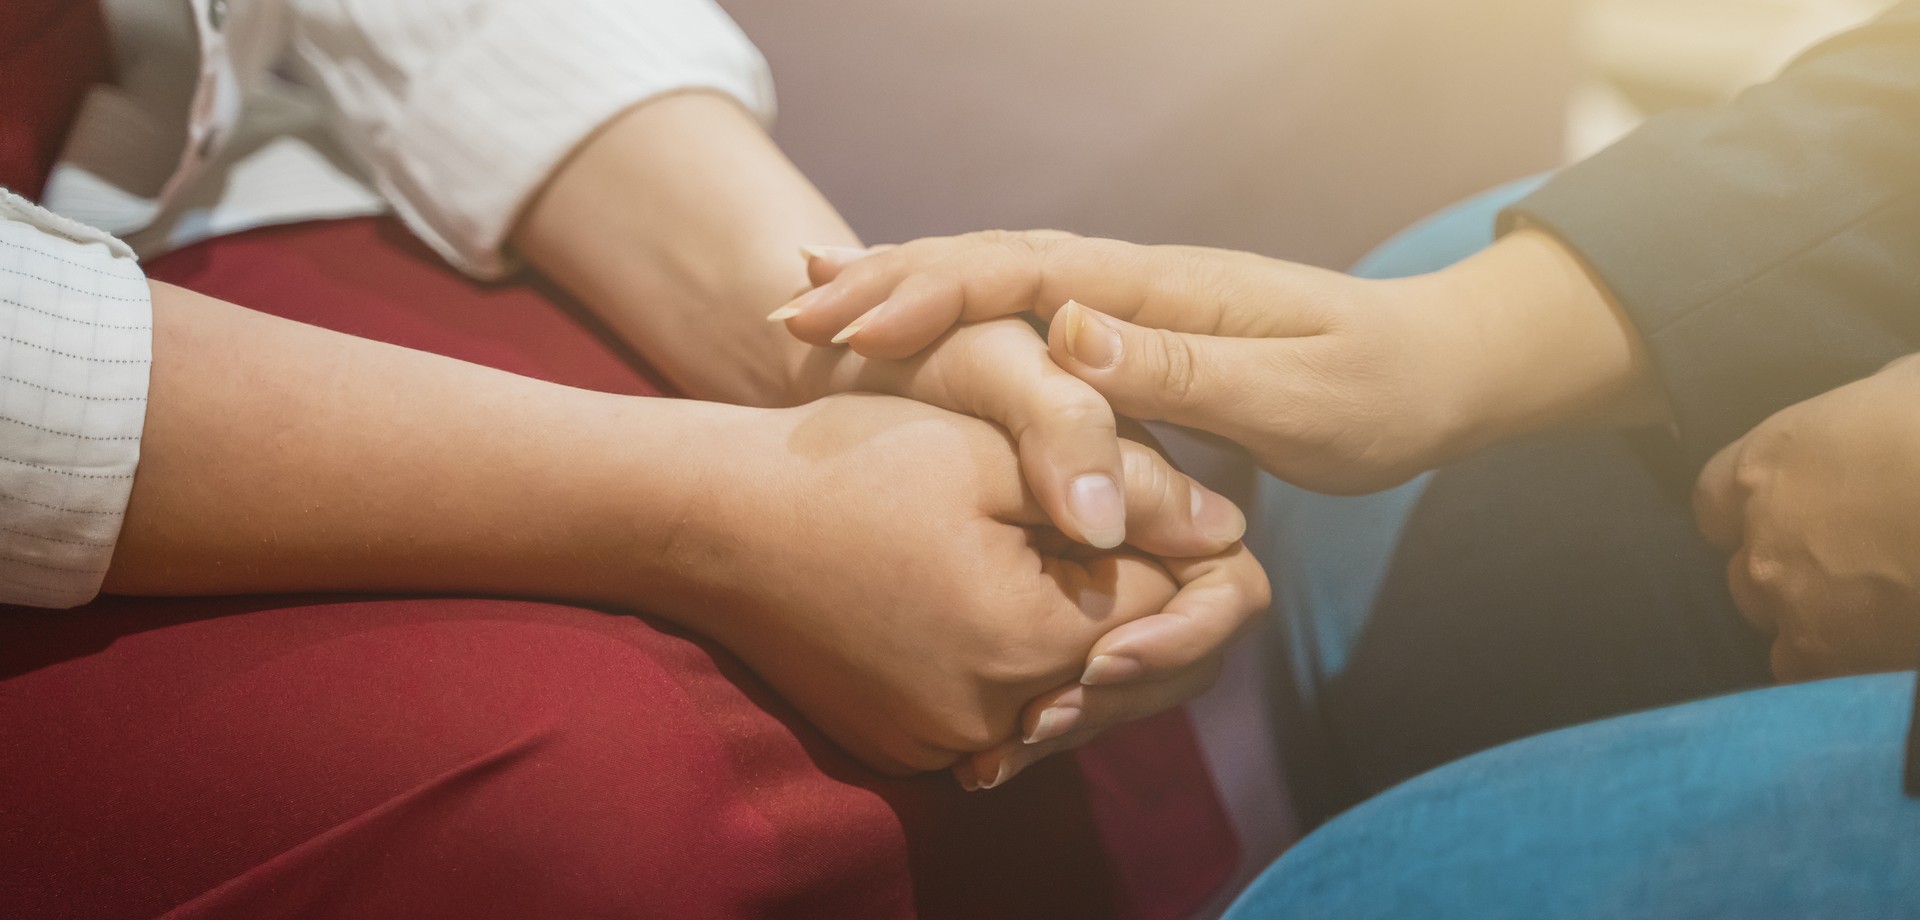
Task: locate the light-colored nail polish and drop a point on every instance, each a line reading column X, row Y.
column 811, row 253
column 1054, row 722
column 964, row 775
column 853, row 328
column 1097, row 504
column 782, row 314
column 1107, row 670
column 1005, row 773
column 1068, row 319
column 1090, row 339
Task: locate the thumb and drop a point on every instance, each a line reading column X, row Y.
column 1200, row 381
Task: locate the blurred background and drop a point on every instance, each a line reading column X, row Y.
column 1308, row 129
column 1643, row 56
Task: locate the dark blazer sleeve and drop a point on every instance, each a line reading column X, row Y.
column 1768, row 249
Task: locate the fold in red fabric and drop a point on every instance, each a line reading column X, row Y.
column 428, row 758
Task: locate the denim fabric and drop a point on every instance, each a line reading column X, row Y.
column 1777, row 804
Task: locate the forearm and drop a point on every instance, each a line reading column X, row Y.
column 283, row 457
column 680, row 225
column 1533, row 341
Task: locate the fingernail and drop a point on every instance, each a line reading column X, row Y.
column 811, row 253
column 963, row 773
column 853, row 328
column 1218, row 519
column 798, row 305
column 1090, row 339
column 1096, row 503
column 1054, row 722
column 1005, row 773
column 1106, row 670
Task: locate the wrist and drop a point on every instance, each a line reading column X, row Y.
column 1532, row 341
column 680, row 226
column 680, row 520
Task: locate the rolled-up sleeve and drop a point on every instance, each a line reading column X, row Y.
column 461, row 109
column 76, row 344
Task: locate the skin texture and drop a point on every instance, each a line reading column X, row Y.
column 682, row 225
column 877, row 560
column 1820, row 508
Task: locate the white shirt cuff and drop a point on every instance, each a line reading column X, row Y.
column 461, row 128
column 76, row 345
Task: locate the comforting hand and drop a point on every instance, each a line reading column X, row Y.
column 1335, row 383
column 1820, row 506
column 895, row 580
column 1000, row 371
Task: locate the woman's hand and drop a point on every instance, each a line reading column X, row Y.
column 1820, row 506
column 1065, row 431
column 1334, row 383
column 877, row 560
column 881, row 564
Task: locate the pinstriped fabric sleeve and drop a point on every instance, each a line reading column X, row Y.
column 76, row 342
column 461, row 109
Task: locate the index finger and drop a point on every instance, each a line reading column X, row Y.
column 895, row 303
column 921, row 289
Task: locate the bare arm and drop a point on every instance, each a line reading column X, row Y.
column 279, row 456
column 680, row 224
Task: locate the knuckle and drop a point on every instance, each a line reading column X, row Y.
column 1151, row 485
column 1752, row 471
column 973, row 731
column 1179, row 369
column 1067, row 403
column 1020, row 666
column 1765, row 573
column 1017, row 652
column 923, row 759
column 900, row 753
column 1258, row 591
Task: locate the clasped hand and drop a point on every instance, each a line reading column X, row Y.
column 1820, row 508
column 910, row 598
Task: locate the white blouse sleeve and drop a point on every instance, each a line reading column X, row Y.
column 460, row 109
column 76, row 343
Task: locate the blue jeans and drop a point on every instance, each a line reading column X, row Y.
column 1777, row 804
column 1652, row 815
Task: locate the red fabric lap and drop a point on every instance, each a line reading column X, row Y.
column 464, row 758
column 51, row 53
